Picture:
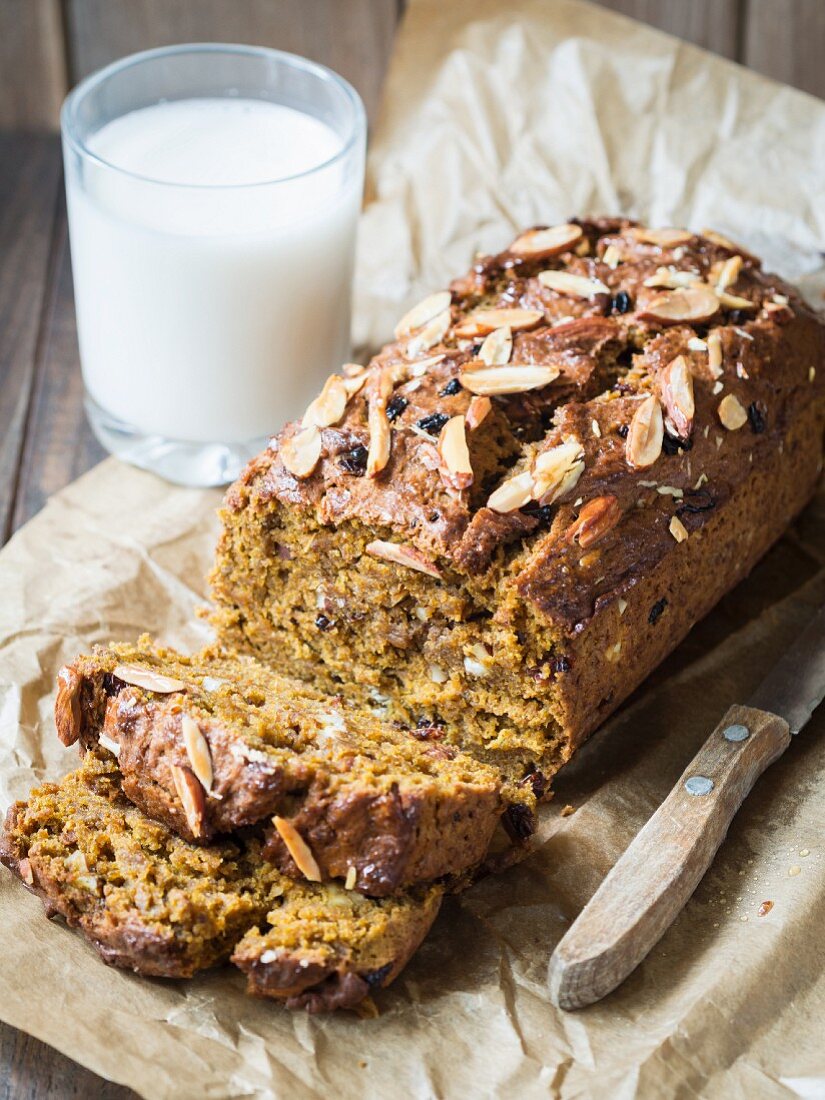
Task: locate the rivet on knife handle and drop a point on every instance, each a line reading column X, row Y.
column 657, row 874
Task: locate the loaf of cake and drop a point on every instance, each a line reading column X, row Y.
column 151, row 902
column 212, row 743
column 525, row 501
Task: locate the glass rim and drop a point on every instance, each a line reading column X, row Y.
column 68, row 112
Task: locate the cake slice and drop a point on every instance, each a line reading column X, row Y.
column 210, row 744
column 151, row 902
column 521, row 506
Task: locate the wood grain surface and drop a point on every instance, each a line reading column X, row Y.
column 45, row 45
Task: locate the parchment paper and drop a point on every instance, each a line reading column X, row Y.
column 496, row 116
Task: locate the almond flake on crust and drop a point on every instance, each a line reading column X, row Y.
column 330, row 405
column 352, row 877
column 644, row 439
column 298, row 848
column 671, row 278
column 597, row 517
column 686, row 304
column 677, row 394
column 612, row 257
column 482, row 321
column 556, row 471
column 431, row 334
column 512, row 494
column 456, row 469
column 576, row 286
column 148, row 680
column 734, row 301
column 190, row 793
column 678, row 529
column 378, row 454
column 419, row 367
column 400, row 554
column 724, row 242
column 108, row 743
column 497, row 347
column 424, row 311
column 731, row 413
column 477, row 412
column 663, row 238
column 729, row 273
column 715, row 354
column 503, row 380
column 197, row 749
column 542, row 243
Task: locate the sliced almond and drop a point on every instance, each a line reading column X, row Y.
column 715, row 354
column 557, row 470
column 575, row 286
column 644, row 439
column 301, row 453
column 456, row 469
column 354, row 383
column 378, row 454
column 512, row 494
column 678, row 529
column 612, row 257
column 729, row 272
column 431, row 334
column 734, row 301
column 329, row 406
column 725, row 242
column 477, row 412
column 543, row 243
column 663, row 238
column 696, row 343
column 597, row 517
column 502, row 380
column 689, row 304
column 731, row 413
column 353, row 370
column 108, row 743
column 68, row 718
column 677, row 395
column 190, row 793
column 420, row 314
column 400, row 554
column 298, row 848
column 24, row 869
column 671, row 278
column 147, row 679
column 497, row 347
column 197, row 749
column 483, row 321
column 352, row 877
column 420, row 367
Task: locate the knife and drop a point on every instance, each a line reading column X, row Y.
column 651, row 882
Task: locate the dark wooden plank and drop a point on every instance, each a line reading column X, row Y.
column 33, row 77
column 29, row 183
column 354, row 37
column 786, row 41
column 712, row 24
column 59, row 444
column 30, row 1070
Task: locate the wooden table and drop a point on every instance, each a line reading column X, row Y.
column 45, row 442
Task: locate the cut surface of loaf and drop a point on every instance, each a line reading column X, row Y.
column 209, row 744
column 154, row 903
column 523, row 504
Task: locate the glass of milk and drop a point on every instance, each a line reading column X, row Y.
column 213, row 193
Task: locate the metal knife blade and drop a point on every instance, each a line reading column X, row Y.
column 795, row 686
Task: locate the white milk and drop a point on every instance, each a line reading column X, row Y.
column 209, row 311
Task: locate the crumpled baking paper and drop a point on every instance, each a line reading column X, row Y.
column 496, row 117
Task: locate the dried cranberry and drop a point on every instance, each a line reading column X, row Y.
column 451, row 389
column 672, row 444
column 621, row 302
column 656, row 611
column 519, row 822
column 756, row 418
column 322, row 622
column 354, row 461
column 623, row 429
column 396, row 406
column 696, row 500
column 433, row 423
column 537, row 781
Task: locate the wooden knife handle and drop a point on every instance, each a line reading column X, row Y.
column 652, row 881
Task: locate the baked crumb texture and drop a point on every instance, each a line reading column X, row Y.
column 521, row 506
column 212, row 743
column 151, row 902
